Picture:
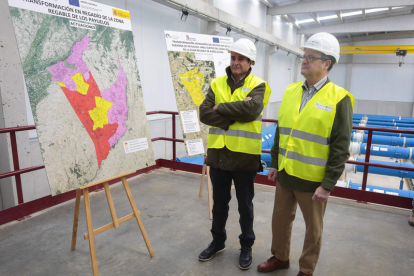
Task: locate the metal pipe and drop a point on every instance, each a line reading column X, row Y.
column 385, row 171
column 367, row 155
column 393, row 124
column 13, row 173
column 16, row 167
column 383, row 190
column 383, row 117
column 386, row 151
column 268, row 138
column 374, row 120
column 173, row 135
column 383, row 133
column 384, row 126
column 383, row 140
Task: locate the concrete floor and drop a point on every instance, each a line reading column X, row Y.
column 358, row 239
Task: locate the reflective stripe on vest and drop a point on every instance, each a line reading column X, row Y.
column 304, row 159
column 245, row 134
column 304, row 143
column 242, row 137
column 305, row 136
column 216, row 131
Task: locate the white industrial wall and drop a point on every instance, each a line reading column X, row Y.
column 282, row 66
column 378, row 84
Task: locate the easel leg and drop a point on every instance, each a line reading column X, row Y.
column 90, row 231
column 210, row 193
column 137, row 216
column 76, row 218
column 111, row 204
column 203, row 174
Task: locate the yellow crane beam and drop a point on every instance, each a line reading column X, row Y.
column 389, row 49
column 374, row 52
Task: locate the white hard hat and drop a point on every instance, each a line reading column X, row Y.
column 244, row 47
column 325, row 43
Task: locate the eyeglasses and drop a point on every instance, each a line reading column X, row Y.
column 311, row 58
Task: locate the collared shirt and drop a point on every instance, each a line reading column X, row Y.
column 308, row 93
column 235, row 82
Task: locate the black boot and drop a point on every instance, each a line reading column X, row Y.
column 212, row 249
column 245, row 261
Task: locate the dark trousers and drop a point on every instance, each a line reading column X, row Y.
column 244, row 184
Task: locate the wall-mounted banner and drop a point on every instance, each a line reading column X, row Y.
column 81, row 74
column 78, row 10
column 195, row 60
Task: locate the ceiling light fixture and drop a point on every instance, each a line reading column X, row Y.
column 184, row 15
column 376, row 10
column 305, row 21
column 327, row 17
column 351, row 13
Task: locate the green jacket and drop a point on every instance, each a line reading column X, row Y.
column 339, row 152
column 227, row 114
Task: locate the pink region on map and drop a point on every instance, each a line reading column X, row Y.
column 62, row 74
column 83, row 101
column 76, row 57
column 118, row 113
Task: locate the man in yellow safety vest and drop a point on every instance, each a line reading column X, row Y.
column 309, row 154
column 233, row 110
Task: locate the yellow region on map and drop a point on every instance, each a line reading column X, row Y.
column 193, row 81
column 81, row 86
column 99, row 114
column 61, row 84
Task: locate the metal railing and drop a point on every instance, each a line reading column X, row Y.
column 17, row 172
column 365, row 197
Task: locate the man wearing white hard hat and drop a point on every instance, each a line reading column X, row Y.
column 309, row 153
column 233, row 110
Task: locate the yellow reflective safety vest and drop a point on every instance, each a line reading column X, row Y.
column 245, row 137
column 304, row 137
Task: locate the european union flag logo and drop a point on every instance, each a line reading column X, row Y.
column 74, row 3
column 216, row 40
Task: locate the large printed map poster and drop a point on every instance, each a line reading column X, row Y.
column 81, row 74
column 195, row 60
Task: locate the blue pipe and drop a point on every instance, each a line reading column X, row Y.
column 392, row 127
column 356, row 115
column 380, row 133
column 371, row 188
column 391, row 121
column 388, row 140
column 380, row 124
column 267, row 158
column 383, row 171
column 268, row 138
column 384, row 126
column 386, row 151
column 376, row 123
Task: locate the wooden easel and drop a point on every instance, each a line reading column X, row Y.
column 115, row 221
column 206, row 170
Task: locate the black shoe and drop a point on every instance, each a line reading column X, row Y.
column 245, row 261
column 212, row 249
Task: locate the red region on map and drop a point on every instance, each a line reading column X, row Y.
column 82, row 104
